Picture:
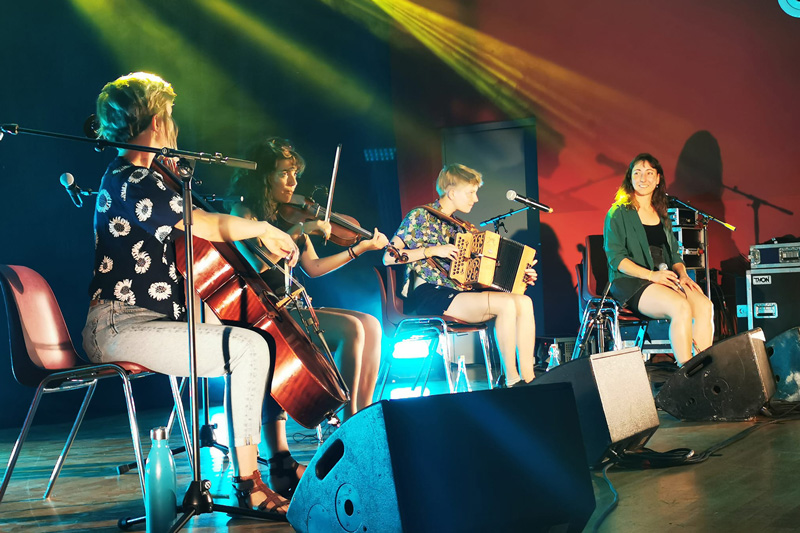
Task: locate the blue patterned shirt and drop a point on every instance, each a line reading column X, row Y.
column 134, row 249
column 420, row 228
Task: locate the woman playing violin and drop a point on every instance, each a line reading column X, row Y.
column 137, row 300
column 355, row 336
column 425, row 236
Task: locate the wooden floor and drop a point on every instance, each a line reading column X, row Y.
column 751, row 485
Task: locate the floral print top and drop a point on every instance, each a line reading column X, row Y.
column 133, row 234
column 419, row 228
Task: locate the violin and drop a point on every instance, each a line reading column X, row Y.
column 345, row 230
column 305, row 381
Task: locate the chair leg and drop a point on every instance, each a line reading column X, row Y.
column 385, row 379
column 576, row 351
column 487, row 354
column 70, row 439
column 433, row 350
column 23, row 434
column 462, row 371
column 134, row 424
column 448, row 359
column 177, row 393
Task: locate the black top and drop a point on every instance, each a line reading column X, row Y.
column 134, row 249
column 657, row 239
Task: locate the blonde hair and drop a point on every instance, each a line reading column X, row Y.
column 452, row 175
column 126, row 106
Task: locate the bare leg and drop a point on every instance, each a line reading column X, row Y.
column 526, row 336
column 703, row 319
column 476, row 307
column 660, row 302
column 346, row 336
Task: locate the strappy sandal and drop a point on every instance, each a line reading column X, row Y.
column 246, row 485
column 283, row 468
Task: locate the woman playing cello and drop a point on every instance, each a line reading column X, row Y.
column 137, row 299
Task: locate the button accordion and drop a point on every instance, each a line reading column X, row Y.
column 489, row 261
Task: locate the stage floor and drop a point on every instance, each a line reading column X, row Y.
column 751, row 485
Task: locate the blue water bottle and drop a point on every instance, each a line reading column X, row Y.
column 160, row 484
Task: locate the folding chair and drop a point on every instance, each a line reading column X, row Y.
column 43, row 356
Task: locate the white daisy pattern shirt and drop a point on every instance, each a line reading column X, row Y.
column 134, row 240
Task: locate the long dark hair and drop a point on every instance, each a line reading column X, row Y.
column 253, row 185
column 625, row 194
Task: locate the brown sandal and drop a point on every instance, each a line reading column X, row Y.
column 247, row 485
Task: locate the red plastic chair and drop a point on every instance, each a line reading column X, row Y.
column 43, row 356
column 606, row 314
column 440, row 329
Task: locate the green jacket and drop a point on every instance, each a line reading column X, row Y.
column 624, row 236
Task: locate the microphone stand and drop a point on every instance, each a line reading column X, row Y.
column 197, row 499
column 498, row 220
column 757, row 203
column 704, row 219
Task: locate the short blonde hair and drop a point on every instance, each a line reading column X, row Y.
column 452, row 175
column 126, row 105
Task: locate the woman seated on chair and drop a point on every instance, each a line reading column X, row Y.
column 426, row 236
column 137, row 309
column 645, row 268
column 354, row 337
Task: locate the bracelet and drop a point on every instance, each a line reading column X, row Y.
column 352, row 252
column 650, row 275
column 425, row 252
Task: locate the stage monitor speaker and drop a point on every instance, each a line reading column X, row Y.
column 785, row 363
column 732, row 380
column 615, row 401
column 479, row 461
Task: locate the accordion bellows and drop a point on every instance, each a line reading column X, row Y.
column 490, row 261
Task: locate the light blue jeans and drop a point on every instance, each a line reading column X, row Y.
column 117, row 332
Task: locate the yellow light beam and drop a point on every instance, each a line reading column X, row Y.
column 140, row 40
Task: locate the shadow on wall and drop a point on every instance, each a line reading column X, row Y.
column 698, row 180
column 559, row 305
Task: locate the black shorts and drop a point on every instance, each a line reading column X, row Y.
column 429, row 299
column 627, row 291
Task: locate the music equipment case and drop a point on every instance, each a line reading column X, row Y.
column 773, row 299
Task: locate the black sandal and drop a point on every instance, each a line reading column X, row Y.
column 246, row 485
column 283, row 468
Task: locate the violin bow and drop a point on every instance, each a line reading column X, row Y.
column 333, row 184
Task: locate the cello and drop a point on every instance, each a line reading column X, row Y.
column 305, row 381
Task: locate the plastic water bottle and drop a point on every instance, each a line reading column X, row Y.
column 555, row 356
column 160, row 484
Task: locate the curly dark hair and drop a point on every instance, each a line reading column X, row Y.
column 625, row 194
column 253, row 185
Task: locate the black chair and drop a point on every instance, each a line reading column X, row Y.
column 601, row 317
column 439, row 329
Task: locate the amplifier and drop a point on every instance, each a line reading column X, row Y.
column 784, row 255
column 773, row 299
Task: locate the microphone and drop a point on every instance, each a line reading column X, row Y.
column 512, row 195
column 75, row 192
column 662, row 267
